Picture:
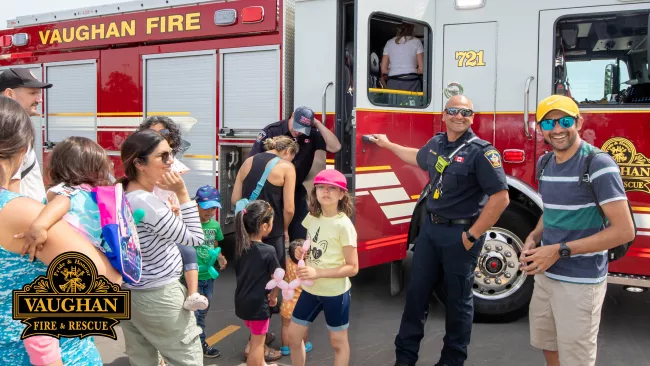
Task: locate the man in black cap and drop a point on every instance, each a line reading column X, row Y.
column 300, row 128
column 22, row 86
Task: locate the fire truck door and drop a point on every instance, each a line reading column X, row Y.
column 189, row 99
column 71, row 103
column 470, row 69
column 37, row 121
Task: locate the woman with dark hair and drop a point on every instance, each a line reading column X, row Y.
column 159, row 322
column 17, row 212
column 166, row 127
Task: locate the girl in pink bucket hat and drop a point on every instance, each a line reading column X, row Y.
column 331, row 261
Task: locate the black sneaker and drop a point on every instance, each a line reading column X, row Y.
column 210, row 352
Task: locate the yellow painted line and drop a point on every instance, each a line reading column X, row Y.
column 168, row 113
column 395, row 91
column 328, row 113
column 395, row 111
column 72, row 114
column 218, row 336
column 415, row 196
column 329, row 161
column 373, row 168
column 120, row 114
column 609, row 111
column 642, row 209
column 198, row 156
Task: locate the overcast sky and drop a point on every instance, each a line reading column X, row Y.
column 10, row 9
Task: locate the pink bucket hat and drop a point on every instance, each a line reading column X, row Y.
column 331, row 177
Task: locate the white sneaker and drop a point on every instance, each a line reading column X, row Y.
column 195, row 302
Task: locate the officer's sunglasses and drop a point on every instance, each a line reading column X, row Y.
column 465, row 112
column 548, row 124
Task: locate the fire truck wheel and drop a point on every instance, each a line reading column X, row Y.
column 501, row 291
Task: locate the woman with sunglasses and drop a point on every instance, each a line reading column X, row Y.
column 159, row 322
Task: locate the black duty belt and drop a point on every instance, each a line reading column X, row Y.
column 441, row 220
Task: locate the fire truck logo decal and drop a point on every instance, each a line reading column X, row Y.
column 261, row 136
column 635, row 167
column 494, row 158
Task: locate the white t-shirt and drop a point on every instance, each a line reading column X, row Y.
column 32, row 184
column 403, row 56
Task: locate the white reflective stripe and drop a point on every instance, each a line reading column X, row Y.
column 619, row 198
column 402, row 221
column 576, row 280
column 568, row 207
column 644, row 233
column 642, row 221
column 462, row 146
column 372, row 180
column 119, row 121
column 600, row 172
column 398, row 210
column 329, row 166
column 361, row 193
column 390, row 195
column 558, row 179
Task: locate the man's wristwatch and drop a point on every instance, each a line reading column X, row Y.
column 470, row 237
column 565, row 251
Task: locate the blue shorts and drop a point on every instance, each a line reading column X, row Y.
column 336, row 309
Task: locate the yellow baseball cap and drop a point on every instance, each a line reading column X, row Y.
column 557, row 103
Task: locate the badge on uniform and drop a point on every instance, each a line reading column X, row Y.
column 494, row 158
column 261, row 136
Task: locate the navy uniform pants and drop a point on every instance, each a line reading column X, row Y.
column 440, row 257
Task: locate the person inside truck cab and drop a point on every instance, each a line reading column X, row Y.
column 300, row 128
column 21, row 86
column 402, row 64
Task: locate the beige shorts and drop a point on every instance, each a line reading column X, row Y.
column 565, row 317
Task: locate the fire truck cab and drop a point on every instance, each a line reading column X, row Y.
column 224, row 70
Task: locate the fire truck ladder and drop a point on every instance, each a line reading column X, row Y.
column 102, row 10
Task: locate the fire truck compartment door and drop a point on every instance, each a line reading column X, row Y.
column 189, row 99
column 37, row 121
column 71, row 104
column 250, row 88
column 470, row 61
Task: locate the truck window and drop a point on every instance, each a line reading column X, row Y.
column 399, row 67
column 601, row 60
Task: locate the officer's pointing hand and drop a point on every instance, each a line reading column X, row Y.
column 380, row 139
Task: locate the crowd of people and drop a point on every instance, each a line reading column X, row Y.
column 277, row 220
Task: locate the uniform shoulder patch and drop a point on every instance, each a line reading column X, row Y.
column 261, row 136
column 493, row 157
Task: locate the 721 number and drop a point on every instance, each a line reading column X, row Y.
column 470, row 58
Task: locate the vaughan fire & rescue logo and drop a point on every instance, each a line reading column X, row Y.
column 71, row 301
column 635, row 167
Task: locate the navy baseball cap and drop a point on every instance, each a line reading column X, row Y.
column 17, row 78
column 208, row 197
column 303, row 119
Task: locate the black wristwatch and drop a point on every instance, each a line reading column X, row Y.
column 470, row 237
column 565, row 251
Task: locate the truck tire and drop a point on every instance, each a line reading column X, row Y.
column 507, row 292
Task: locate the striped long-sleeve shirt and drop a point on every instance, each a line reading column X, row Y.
column 159, row 231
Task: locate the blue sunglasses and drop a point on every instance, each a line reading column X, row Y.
column 549, row 124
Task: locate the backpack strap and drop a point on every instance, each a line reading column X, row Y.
column 262, row 181
column 545, row 159
column 587, row 179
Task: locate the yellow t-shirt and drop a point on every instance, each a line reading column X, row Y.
column 328, row 237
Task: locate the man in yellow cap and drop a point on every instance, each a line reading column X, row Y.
column 567, row 251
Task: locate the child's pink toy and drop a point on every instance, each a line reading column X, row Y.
column 288, row 289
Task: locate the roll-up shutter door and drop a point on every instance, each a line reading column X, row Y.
column 183, row 88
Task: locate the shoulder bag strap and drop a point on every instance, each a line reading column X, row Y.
column 262, row 181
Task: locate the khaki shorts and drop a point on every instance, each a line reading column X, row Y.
column 159, row 323
column 565, row 317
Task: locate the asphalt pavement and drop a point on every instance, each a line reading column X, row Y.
column 375, row 316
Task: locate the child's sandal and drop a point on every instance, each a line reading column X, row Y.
column 286, row 351
column 308, row 347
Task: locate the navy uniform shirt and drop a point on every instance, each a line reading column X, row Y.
column 307, row 144
column 475, row 172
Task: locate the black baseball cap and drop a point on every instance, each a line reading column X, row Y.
column 20, row 78
column 303, row 119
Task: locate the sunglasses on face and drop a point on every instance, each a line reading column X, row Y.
column 166, row 155
column 549, row 124
column 465, row 112
column 164, row 132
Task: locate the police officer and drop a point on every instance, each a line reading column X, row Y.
column 299, row 127
column 451, row 238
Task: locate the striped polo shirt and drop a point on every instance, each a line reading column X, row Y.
column 571, row 214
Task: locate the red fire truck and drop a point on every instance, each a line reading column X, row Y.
column 223, row 70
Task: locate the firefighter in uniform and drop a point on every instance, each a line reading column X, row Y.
column 464, row 171
column 299, row 127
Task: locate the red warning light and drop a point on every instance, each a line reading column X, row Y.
column 6, row 41
column 252, row 14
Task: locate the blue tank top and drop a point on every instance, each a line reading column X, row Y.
column 16, row 272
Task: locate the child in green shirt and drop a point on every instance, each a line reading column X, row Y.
column 208, row 199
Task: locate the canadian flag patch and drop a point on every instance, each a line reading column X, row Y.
column 459, row 159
